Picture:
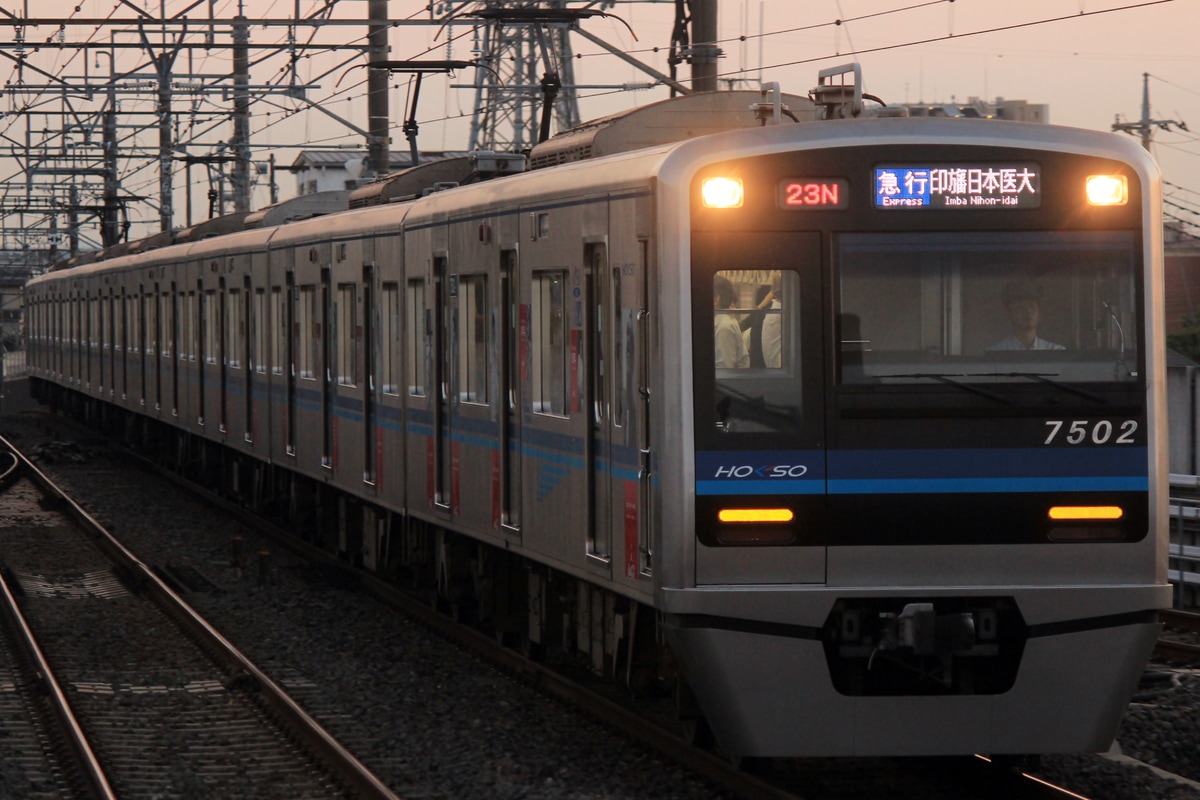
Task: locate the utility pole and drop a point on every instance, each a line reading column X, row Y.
column 693, row 40
column 239, row 176
column 704, row 49
column 1146, row 126
column 379, row 118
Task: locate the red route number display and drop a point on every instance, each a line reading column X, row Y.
column 814, row 193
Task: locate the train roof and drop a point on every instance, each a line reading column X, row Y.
column 666, row 121
column 297, row 208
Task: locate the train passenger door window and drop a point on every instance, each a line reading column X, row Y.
column 755, row 351
column 473, row 339
column 389, row 340
column 307, row 343
column 419, row 341
column 233, row 330
column 279, row 331
column 211, row 328
column 347, row 334
column 259, row 354
column 548, row 382
column 187, row 341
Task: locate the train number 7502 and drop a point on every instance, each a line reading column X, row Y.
column 1101, row 431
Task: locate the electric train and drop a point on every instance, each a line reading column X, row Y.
column 849, row 427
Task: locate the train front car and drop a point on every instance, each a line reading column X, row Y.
column 920, row 505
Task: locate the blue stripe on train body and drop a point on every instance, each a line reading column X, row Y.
column 922, row 471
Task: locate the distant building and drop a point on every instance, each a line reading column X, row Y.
column 328, row 170
column 977, row 108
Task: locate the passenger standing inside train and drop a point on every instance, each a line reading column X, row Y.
column 1022, row 301
column 727, row 334
column 772, row 327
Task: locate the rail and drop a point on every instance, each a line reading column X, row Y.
column 335, row 757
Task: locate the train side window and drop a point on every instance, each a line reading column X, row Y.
column 473, row 339
column 279, row 332
column 419, row 339
column 306, row 343
column 548, row 343
column 347, row 334
column 233, row 329
column 389, row 349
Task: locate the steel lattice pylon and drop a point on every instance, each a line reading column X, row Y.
column 518, row 56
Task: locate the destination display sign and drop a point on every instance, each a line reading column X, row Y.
column 959, row 186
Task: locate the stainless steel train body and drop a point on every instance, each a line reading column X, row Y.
column 878, row 530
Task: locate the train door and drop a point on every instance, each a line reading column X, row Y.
column 515, row 332
column 155, row 345
column 225, row 342
column 291, row 340
column 123, row 340
column 326, row 366
column 598, row 293
column 444, row 295
column 369, row 314
column 171, row 344
column 254, row 311
column 198, row 339
column 759, row 409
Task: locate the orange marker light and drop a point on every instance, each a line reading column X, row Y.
column 1086, row 512
column 755, row 515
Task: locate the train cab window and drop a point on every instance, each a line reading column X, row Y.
column 389, row 345
column 473, row 339
column 346, row 333
column 756, row 350
column 306, row 344
column 548, row 344
column 419, row 340
column 1011, row 307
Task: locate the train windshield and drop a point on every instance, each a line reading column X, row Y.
column 922, row 308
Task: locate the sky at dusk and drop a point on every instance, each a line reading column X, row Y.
column 1085, row 59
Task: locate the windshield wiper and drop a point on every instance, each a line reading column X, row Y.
column 789, row 414
column 949, row 379
column 1044, row 378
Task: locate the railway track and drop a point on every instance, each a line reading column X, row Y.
column 928, row 779
column 152, row 700
column 1180, row 642
column 769, row 779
